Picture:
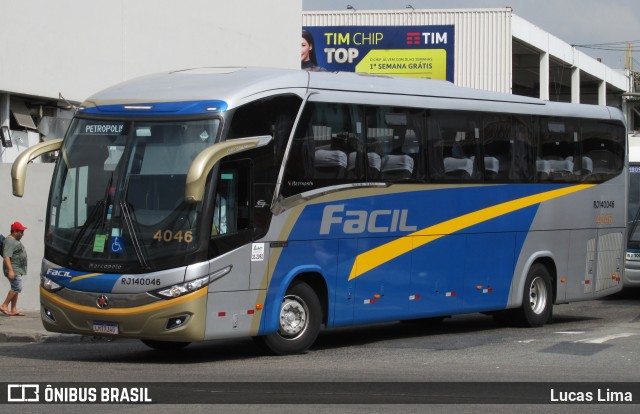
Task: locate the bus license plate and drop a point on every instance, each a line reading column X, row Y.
column 633, row 256
column 109, row 328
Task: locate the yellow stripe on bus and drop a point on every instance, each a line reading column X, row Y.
column 149, row 308
column 76, row 278
column 382, row 254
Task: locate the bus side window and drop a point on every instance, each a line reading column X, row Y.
column 459, row 134
column 393, row 144
column 497, row 137
column 522, row 149
column 231, row 211
column 558, row 157
column 339, row 159
column 326, row 149
column 508, row 148
column 603, row 150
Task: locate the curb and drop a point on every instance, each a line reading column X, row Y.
column 14, row 337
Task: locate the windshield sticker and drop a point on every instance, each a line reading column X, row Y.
column 257, row 252
column 116, row 244
column 99, row 242
column 112, row 128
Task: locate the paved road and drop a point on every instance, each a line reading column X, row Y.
column 597, row 341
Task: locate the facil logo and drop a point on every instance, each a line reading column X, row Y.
column 359, row 221
column 60, row 273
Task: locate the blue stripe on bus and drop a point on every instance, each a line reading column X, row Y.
column 423, row 209
column 436, row 272
column 158, row 108
column 83, row 281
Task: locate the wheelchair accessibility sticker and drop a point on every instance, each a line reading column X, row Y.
column 116, row 244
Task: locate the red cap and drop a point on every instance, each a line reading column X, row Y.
column 17, row 226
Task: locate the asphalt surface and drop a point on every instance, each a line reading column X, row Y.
column 28, row 328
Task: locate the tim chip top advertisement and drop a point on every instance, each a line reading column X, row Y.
column 414, row 51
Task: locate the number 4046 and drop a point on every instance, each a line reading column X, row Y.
column 170, row 236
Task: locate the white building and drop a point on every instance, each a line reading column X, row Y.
column 58, row 53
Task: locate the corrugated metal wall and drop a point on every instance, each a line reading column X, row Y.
column 482, row 38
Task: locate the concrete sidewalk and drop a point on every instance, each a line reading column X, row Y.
column 28, row 328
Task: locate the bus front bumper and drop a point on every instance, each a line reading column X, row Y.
column 179, row 320
column 631, row 274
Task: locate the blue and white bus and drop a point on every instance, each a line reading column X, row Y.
column 216, row 203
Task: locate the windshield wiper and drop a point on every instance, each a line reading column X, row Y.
column 99, row 210
column 124, row 207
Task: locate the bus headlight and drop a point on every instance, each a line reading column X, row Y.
column 50, row 285
column 183, row 288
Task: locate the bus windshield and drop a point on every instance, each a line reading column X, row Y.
column 118, row 192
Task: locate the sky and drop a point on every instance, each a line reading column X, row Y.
column 577, row 22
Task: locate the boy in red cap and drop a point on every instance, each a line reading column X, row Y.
column 14, row 266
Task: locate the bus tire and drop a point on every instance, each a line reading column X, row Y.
column 299, row 321
column 537, row 298
column 164, row 345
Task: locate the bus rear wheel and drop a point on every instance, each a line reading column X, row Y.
column 537, row 298
column 299, row 321
column 164, row 345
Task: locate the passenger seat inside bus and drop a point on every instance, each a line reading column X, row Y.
column 583, row 169
column 374, row 165
column 396, row 167
column 396, row 164
column 458, row 167
column 330, row 164
column 554, row 169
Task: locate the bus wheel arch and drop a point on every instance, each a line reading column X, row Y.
column 301, row 314
column 550, row 264
column 319, row 285
column 538, row 294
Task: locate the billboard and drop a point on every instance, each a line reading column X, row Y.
column 415, row 51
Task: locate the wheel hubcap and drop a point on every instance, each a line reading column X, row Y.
column 293, row 317
column 537, row 295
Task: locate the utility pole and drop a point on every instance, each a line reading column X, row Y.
column 628, row 57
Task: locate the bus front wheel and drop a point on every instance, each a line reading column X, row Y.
column 537, row 298
column 299, row 321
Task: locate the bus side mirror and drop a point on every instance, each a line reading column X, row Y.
column 204, row 162
column 19, row 167
column 5, row 136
